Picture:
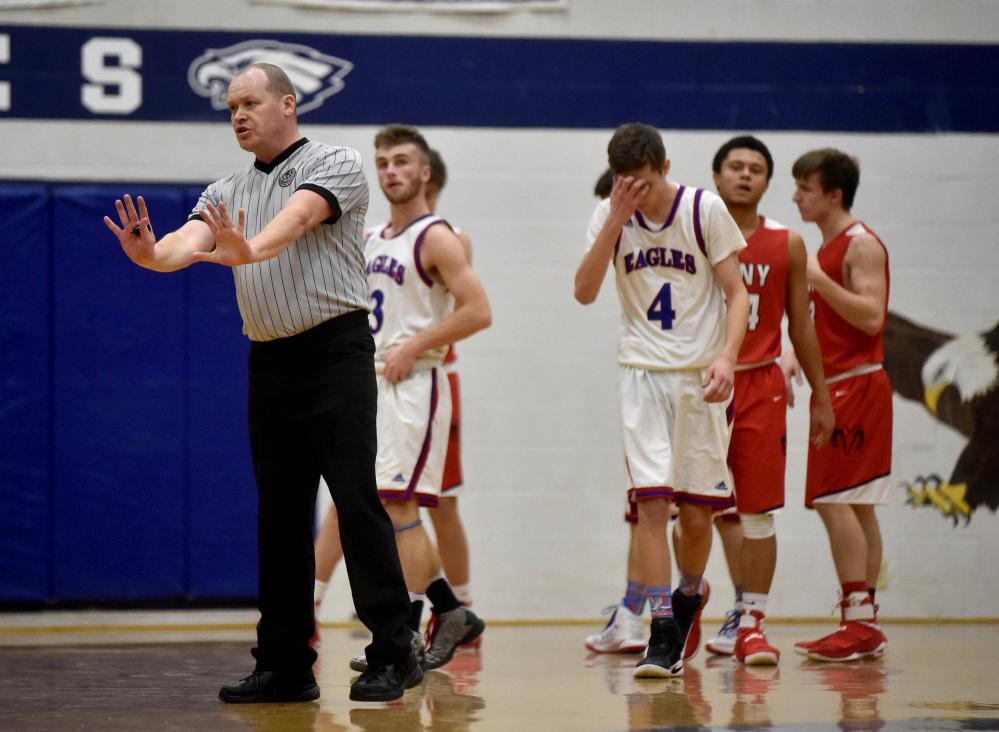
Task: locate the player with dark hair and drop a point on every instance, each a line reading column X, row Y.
column 425, row 297
column 849, row 281
column 773, row 269
column 451, row 540
column 684, row 312
column 452, row 543
column 624, row 631
column 602, row 188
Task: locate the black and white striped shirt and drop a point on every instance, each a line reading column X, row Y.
column 321, row 274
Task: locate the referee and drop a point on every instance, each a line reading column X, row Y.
column 296, row 256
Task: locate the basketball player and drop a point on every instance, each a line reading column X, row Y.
column 773, row 269
column 849, row 281
column 296, row 255
column 675, row 256
column 624, row 632
column 425, row 297
column 451, row 541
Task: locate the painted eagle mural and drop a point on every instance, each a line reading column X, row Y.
column 956, row 377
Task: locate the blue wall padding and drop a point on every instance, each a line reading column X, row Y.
column 119, row 409
column 222, row 497
column 126, row 468
column 25, row 398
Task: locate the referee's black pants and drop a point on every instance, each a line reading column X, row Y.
column 311, row 409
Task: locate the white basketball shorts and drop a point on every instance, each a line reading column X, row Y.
column 414, row 418
column 675, row 443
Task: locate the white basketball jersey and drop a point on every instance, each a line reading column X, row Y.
column 404, row 300
column 672, row 304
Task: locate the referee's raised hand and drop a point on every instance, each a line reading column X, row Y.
column 136, row 233
column 231, row 245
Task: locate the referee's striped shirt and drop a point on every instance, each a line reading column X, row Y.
column 321, row 274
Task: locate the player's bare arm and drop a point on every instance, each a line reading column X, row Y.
column 719, row 378
column 861, row 301
column 801, row 331
column 466, row 243
column 791, row 369
column 304, row 211
column 444, row 260
column 624, row 199
column 174, row 251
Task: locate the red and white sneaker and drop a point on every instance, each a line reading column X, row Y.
column 853, row 640
column 751, row 645
column 858, row 636
column 804, row 647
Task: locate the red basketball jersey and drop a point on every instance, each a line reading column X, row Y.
column 843, row 346
column 764, row 266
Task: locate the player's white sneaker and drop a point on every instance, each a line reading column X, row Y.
column 624, row 633
column 724, row 643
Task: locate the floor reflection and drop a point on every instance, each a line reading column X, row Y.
column 934, row 677
column 751, row 685
column 444, row 702
column 678, row 702
column 859, row 684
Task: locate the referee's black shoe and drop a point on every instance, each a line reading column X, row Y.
column 385, row 683
column 272, row 686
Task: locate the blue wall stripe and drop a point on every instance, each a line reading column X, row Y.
column 563, row 83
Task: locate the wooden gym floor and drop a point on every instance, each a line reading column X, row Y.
column 110, row 672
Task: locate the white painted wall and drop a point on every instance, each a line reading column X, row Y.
column 542, row 456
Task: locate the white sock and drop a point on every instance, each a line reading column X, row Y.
column 463, row 593
column 752, row 601
column 418, row 596
column 320, row 591
column 858, row 607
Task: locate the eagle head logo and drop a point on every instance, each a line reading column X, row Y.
column 315, row 75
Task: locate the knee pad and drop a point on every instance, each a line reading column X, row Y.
column 758, row 525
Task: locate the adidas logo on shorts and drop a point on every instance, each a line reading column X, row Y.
column 399, row 479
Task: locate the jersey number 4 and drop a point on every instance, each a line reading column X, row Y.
column 754, row 310
column 662, row 310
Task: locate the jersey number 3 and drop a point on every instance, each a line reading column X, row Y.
column 377, row 316
column 661, row 308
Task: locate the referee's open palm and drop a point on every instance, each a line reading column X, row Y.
column 231, row 245
column 135, row 234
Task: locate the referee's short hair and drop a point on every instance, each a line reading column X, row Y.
column 278, row 82
column 393, row 135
